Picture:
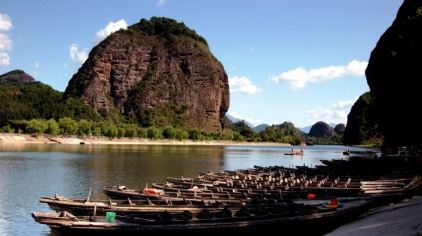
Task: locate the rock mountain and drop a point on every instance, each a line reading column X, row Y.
column 322, row 130
column 362, row 127
column 394, row 74
column 158, row 72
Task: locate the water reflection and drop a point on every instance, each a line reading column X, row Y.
column 30, row 171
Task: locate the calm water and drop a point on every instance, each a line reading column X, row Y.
column 30, row 171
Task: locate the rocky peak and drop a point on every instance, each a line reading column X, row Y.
column 322, row 130
column 16, row 77
column 339, row 129
column 158, row 71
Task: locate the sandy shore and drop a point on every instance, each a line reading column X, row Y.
column 7, row 138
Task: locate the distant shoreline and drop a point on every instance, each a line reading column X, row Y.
column 12, row 138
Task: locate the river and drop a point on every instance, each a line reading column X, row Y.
column 29, row 171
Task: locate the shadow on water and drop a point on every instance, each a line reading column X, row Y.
column 30, row 171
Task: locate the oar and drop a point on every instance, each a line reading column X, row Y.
column 89, row 194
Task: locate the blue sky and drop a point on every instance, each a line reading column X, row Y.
column 299, row 61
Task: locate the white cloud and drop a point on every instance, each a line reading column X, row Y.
column 344, row 104
column 233, row 68
column 299, row 77
column 253, row 121
column 5, row 22
column 4, row 59
column 336, row 114
column 243, row 85
column 5, row 43
column 78, row 55
column 235, row 114
column 110, row 28
column 161, row 2
column 36, row 65
column 328, row 115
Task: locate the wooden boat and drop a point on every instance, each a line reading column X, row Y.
column 289, row 218
column 392, row 186
column 119, row 193
column 84, row 207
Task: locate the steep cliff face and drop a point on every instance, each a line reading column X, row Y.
column 362, row 127
column 394, row 74
column 322, row 130
column 159, row 72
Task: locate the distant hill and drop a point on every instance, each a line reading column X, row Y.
column 322, row 130
column 243, row 129
column 260, row 128
column 306, row 129
column 235, row 120
column 339, row 129
column 285, row 133
column 16, row 77
column 22, row 97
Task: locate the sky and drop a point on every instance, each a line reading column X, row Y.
column 300, row 60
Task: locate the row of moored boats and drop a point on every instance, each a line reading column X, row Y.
column 242, row 200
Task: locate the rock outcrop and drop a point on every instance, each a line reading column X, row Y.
column 322, row 130
column 393, row 75
column 339, row 129
column 157, row 71
column 362, row 127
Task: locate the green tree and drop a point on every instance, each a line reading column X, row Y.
column 227, row 134
column 7, row 129
column 96, row 131
column 195, row 134
column 84, row 127
column 36, row 126
column 68, row 125
column 131, row 131
column 121, row 131
column 112, row 131
column 181, row 134
column 104, row 127
column 169, row 133
column 238, row 137
column 154, row 133
column 52, row 127
column 142, row 132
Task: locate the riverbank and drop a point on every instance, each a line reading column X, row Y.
column 403, row 218
column 11, row 138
